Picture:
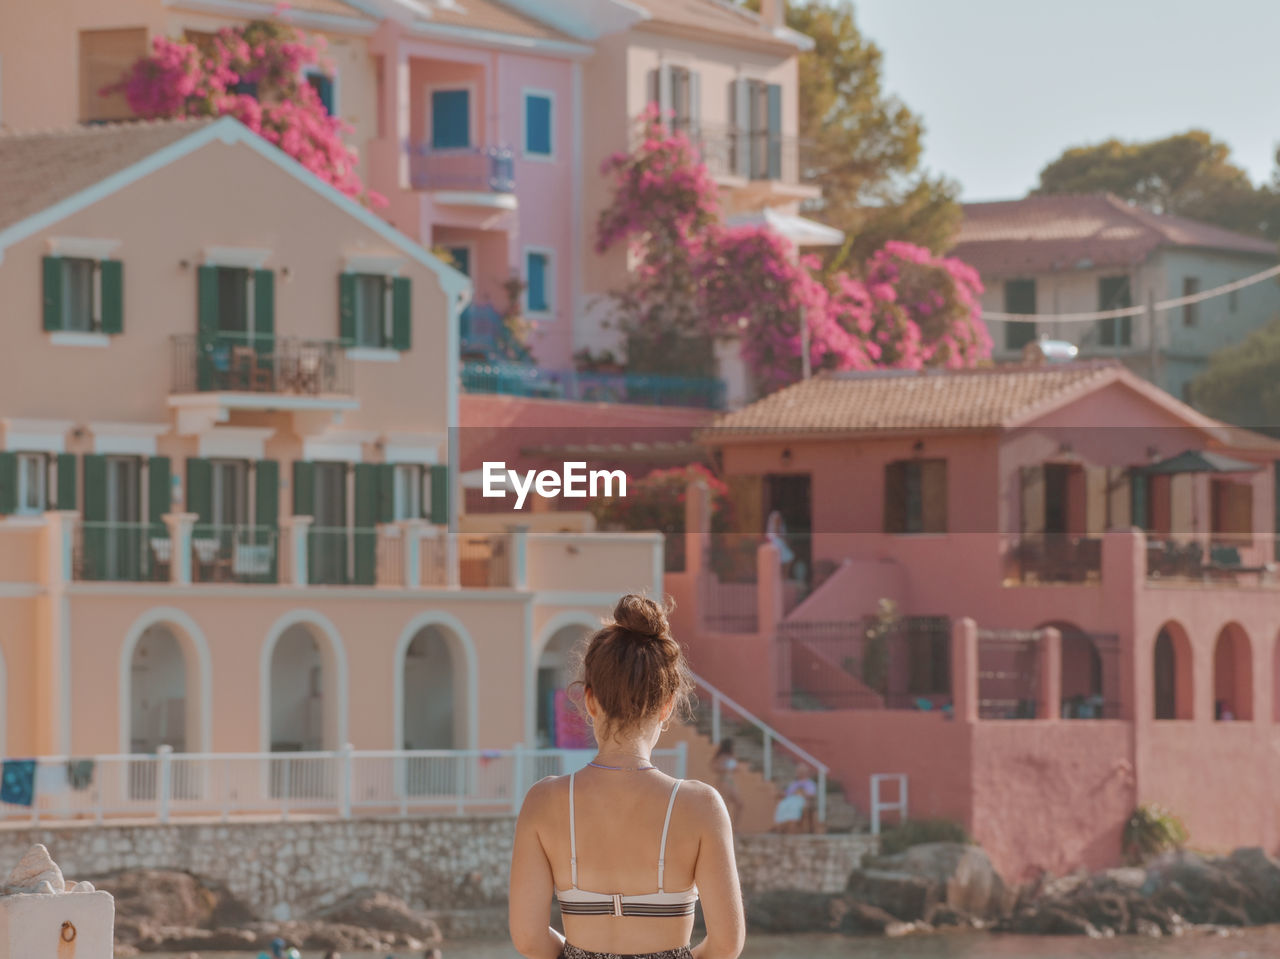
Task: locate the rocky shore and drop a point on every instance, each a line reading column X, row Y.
column 947, row 886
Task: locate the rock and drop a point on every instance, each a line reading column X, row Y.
column 1260, row 874
column 967, row 880
column 905, row 896
column 36, row 872
column 943, row 916
column 860, row 918
column 899, row 929
column 1105, row 910
column 1052, row 920
column 788, row 911
column 371, row 909
column 1205, row 893
column 173, row 899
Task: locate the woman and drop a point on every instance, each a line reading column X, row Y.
column 651, row 845
column 725, row 763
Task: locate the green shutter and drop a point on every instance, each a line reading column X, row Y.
column 366, row 535
column 773, row 97
column 1138, row 509
column 206, row 325
column 264, row 311
column 401, row 313
column 266, row 510
column 66, row 481
column 200, row 489
column 304, row 488
column 440, row 495
column 386, row 492
column 347, row 308
column 112, row 277
column 93, row 559
column 159, row 489
column 52, row 293
column 8, row 483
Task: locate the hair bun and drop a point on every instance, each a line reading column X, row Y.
column 641, row 615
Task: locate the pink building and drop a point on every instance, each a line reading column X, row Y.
column 226, row 523
column 1085, row 580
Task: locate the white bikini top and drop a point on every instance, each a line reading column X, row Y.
column 580, row 902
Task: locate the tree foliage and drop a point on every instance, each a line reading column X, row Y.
column 1242, row 383
column 861, row 144
column 1188, row 174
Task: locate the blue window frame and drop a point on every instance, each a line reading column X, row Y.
column 323, row 85
column 537, row 124
column 450, row 119
column 537, row 271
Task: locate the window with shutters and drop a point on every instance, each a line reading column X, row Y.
column 1019, row 297
column 326, row 87
column 450, row 119
column 757, row 137
column 79, row 295
column 539, row 293
column 235, row 313
column 915, row 496
column 407, row 491
column 33, row 483
column 373, row 310
column 229, row 481
column 538, row 114
column 83, row 295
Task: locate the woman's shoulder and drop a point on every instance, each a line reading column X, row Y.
column 545, row 791
column 703, row 801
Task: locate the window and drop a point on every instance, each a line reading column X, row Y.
column 105, row 56
column 757, row 121
column 371, row 311
column 83, row 295
column 1190, row 311
column 460, row 257
column 915, row 496
column 538, row 296
column 928, row 656
column 233, row 300
column 450, row 119
column 325, row 88
column 230, row 492
column 675, row 91
column 1019, row 297
column 33, row 482
column 407, row 491
column 537, row 124
column 1113, row 294
column 78, row 313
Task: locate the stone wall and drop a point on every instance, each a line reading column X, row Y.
column 285, row 870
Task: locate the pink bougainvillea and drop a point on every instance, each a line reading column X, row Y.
column 255, row 74
column 692, row 277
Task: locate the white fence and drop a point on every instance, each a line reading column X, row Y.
column 345, row 783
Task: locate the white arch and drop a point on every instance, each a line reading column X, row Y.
column 471, row 679
column 572, row 617
column 168, row 615
column 329, row 632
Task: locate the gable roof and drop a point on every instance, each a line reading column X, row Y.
column 719, row 17
column 69, row 170
column 1045, row 234
column 491, row 15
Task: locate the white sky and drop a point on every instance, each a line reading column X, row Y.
column 1004, row 86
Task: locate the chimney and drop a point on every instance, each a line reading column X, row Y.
column 773, row 13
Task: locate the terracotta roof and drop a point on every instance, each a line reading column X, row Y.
column 986, row 398
column 495, row 16
column 714, row 16
column 1043, row 234
column 39, row 168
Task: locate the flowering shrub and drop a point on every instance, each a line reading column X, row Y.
column 694, row 280
column 656, row 501
column 253, row 73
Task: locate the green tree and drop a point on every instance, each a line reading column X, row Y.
column 1242, row 383
column 861, row 144
column 1189, row 174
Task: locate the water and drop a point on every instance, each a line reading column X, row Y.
column 1249, row 944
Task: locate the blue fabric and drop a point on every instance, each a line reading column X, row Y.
column 18, row 782
column 537, row 277
column 537, row 125
column 450, row 119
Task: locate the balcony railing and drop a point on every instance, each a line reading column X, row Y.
column 260, row 364
column 234, row 554
column 513, row 379
column 1223, row 564
column 750, row 154
column 1053, row 558
column 121, row 552
column 488, row 169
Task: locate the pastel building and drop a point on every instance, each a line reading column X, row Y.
column 1081, row 254
column 229, row 512
column 1083, row 577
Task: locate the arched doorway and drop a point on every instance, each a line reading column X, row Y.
column 160, row 710
column 298, row 708
column 1232, row 675
column 557, row 668
column 303, row 705
column 1090, row 673
column 1171, row 660
column 433, row 715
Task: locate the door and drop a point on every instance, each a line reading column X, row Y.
column 330, row 539
column 126, row 537
column 1057, row 491
column 790, row 495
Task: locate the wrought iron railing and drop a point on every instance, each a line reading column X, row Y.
column 1053, row 558
column 243, row 363
column 485, row 169
column 234, row 554
column 121, row 552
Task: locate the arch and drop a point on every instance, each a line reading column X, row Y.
column 195, row 649
column 1233, row 674
column 1174, row 685
column 1090, row 679
column 463, row 651
column 334, row 663
column 574, row 617
column 555, row 670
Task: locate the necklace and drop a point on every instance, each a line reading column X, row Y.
column 629, row 769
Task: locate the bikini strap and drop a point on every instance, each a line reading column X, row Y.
column 573, row 841
column 666, row 824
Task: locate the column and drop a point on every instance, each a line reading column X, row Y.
column 296, row 530
column 964, row 670
column 411, row 533
column 53, row 640
column 180, row 526
column 768, row 588
column 519, row 556
column 1049, row 697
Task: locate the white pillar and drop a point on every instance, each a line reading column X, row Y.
column 53, row 646
column 180, row 526
column 44, row 917
column 411, row 533
column 519, row 556
column 297, row 528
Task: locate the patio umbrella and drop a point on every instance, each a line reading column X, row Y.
column 1200, row 461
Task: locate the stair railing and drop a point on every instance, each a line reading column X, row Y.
column 720, row 702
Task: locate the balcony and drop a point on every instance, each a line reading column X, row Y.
column 470, row 176
column 1053, row 558
column 513, row 379
column 763, row 164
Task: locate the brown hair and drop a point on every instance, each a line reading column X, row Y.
column 634, row 666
